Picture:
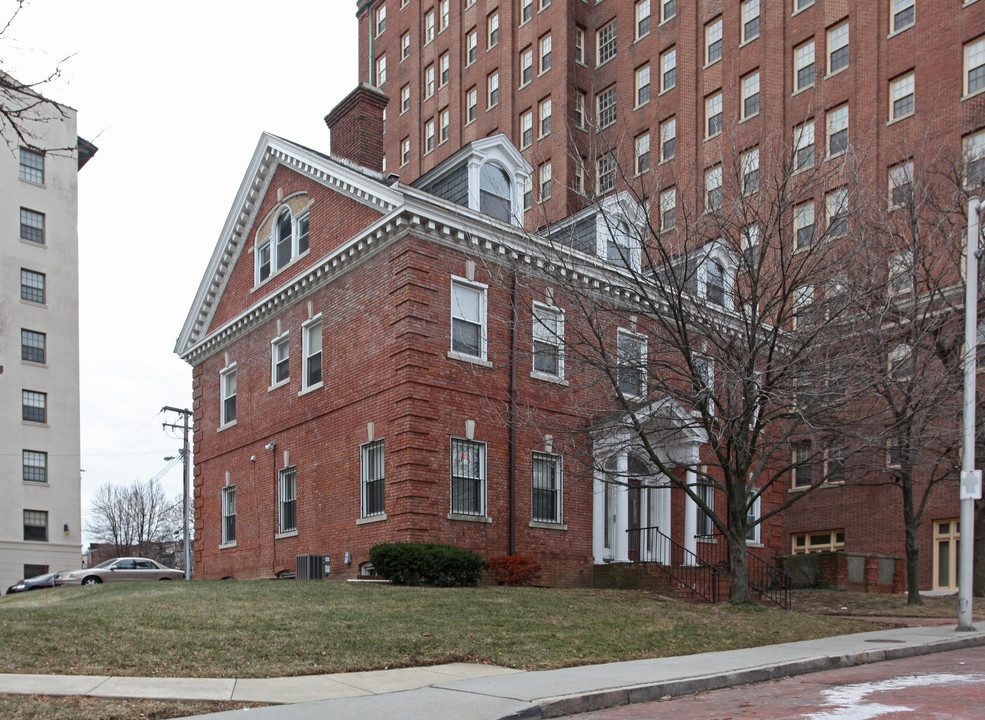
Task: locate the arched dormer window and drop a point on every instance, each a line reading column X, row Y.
column 495, row 192
column 283, row 237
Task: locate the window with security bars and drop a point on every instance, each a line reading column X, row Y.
column 35, row 466
column 468, row 477
column 546, row 488
column 606, row 42
column 32, row 166
column 32, row 226
column 33, row 346
column 32, row 286
column 372, row 478
column 548, row 339
column 229, row 514
column 36, row 525
column 34, row 406
column 287, row 500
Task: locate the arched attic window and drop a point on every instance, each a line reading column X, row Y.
column 283, row 240
column 495, row 192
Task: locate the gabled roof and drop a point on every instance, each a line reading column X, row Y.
column 360, row 184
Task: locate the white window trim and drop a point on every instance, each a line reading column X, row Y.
column 483, row 516
column 223, row 374
column 645, row 376
column 305, row 327
column 558, row 343
column 559, row 470
column 274, row 383
column 226, row 543
column 483, row 289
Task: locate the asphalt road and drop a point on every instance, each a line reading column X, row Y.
column 944, row 686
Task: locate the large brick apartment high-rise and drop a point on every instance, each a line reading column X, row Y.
column 601, row 93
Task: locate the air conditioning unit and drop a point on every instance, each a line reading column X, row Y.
column 310, row 567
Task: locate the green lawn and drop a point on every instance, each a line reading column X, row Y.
column 261, row 629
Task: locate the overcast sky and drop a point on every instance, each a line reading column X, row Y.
column 175, row 95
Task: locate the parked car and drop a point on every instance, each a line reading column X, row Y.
column 125, row 569
column 34, row 583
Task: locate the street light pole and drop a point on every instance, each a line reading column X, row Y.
column 971, row 479
column 186, row 482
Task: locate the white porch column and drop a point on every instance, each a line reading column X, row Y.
column 690, row 515
column 620, row 540
column 598, row 518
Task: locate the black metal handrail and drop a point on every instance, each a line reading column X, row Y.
column 697, row 577
column 764, row 578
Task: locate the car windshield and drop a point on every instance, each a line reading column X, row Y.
column 105, row 564
column 39, row 578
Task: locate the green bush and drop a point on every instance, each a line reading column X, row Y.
column 426, row 564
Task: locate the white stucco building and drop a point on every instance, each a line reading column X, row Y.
column 40, row 516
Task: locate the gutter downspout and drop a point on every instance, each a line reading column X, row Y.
column 514, row 323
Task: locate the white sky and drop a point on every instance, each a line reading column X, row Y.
column 175, row 95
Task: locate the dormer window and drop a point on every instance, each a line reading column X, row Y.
column 495, row 194
column 284, row 239
column 715, row 282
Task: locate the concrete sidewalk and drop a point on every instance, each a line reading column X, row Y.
column 483, row 692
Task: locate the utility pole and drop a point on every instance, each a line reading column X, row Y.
column 186, row 482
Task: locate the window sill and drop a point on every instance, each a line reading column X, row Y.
column 750, row 543
column 667, row 90
column 274, row 273
column 899, row 119
column 226, row 546
column 452, row 355
column 288, row 534
column 798, row 91
column 839, row 71
column 470, row 518
column 226, row 426
column 38, row 185
column 32, row 363
column 35, row 483
column 641, row 37
column 706, row 539
column 311, row 388
column 641, row 105
column 31, row 303
column 280, row 384
column 963, row 97
column 546, row 377
column 894, row 33
column 371, row 519
column 35, row 243
column 750, row 117
column 34, row 423
column 667, row 20
column 795, row 13
column 548, row 525
column 799, row 488
column 750, row 40
column 598, row 65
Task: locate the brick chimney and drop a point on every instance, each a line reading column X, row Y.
column 356, row 127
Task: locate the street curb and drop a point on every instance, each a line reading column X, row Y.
column 604, row 699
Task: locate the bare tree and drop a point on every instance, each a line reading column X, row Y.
column 717, row 318
column 136, row 519
column 23, row 108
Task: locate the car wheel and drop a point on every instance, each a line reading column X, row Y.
column 91, row 580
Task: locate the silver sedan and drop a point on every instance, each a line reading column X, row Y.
column 125, row 569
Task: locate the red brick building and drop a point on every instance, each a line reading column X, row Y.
column 320, row 336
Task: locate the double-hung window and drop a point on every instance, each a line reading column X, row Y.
column 901, row 272
column 715, row 290
column 901, row 97
column 606, row 107
column 803, row 66
column 606, row 172
column 311, row 342
column 668, row 139
column 228, row 514
column 580, row 45
column 631, row 375
column 468, row 319
column 606, row 42
column 545, row 54
column 429, row 28
column 34, row 466
column 803, row 461
column 468, row 477
column 526, row 66
column 428, row 136
column 471, row 46
column 974, row 66
column 444, row 69
column 750, row 171
column 36, row 525
column 372, row 478
column 280, row 349
column 705, row 490
column 714, row 194
column 546, row 488
column 404, row 99
column 32, row 226
column 33, row 346
column 445, row 14
column 287, row 500
column 750, row 20
column 643, row 85
column 803, row 307
column 492, row 27
column 836, row 204
column 804, row 146
column 429, row 79
column 803, row 222
column 444, row 126
column 974, row 159
column 545, row 117
column 668, row 209
column 668, row 70
column 381, row 70
column 642, row 143
column 492, row 87
column 34, row 406
column 32, row 286
column 471, row 105
column 837, row 130
column 404, row 46
column 548, row 340
column 642, row 18
column 546, row 180
column 838, row 47
column 32, row 166
column 526, row 10
column 526, row 129
column 380, row 20
column 288, row 241
column 713, row 41
column 900, row 184
column 227, row 390
column 713, row 115
column 902, row 15
column 750, row 95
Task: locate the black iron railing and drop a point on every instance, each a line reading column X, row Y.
column 766, row 579
column 694, row 576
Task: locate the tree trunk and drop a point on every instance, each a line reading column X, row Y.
column 912, row 566
column 738, row 591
